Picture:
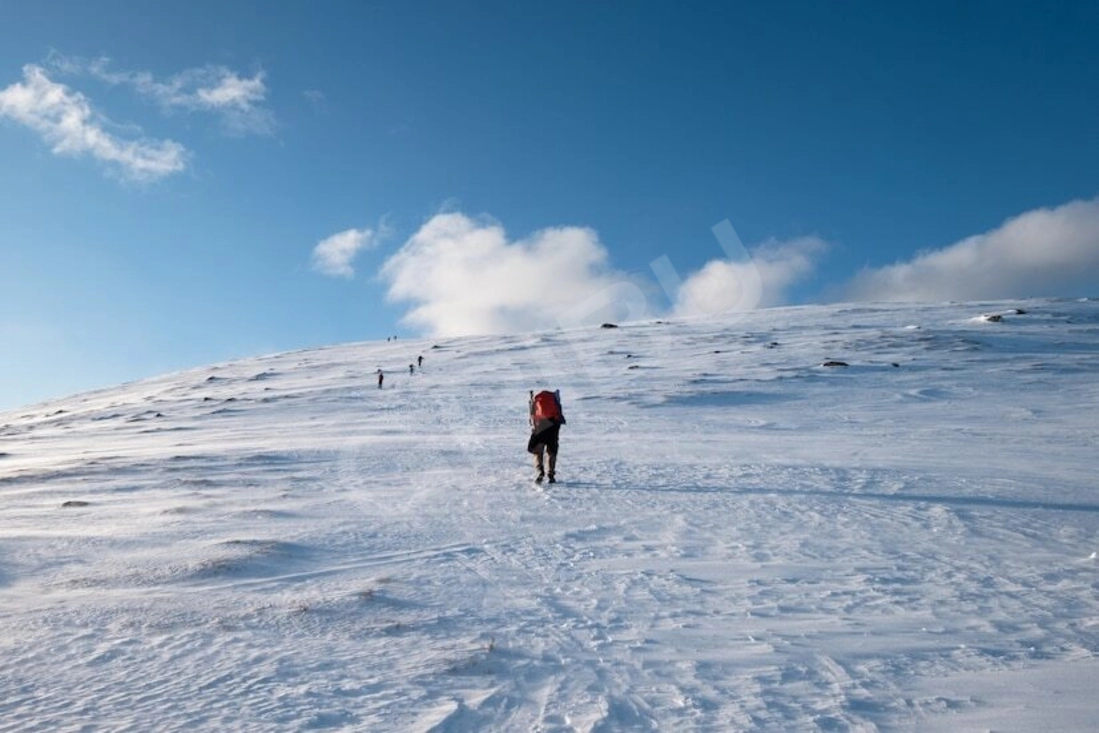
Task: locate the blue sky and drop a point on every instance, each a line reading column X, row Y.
column 189, row 182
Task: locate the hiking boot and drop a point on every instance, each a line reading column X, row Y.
column 540, row 476
column 552, row 479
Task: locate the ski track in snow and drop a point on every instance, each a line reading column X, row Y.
column 743, row 539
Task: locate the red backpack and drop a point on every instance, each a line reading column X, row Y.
column 545, row 406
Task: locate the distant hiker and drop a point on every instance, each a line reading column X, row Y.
column 381, row 378
column 411, row 368
column 546, row 419
column 420, row 360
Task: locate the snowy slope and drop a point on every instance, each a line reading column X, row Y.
column 743, row 539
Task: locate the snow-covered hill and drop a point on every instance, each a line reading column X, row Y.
column 743, row 538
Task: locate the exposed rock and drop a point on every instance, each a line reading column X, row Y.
column 609, row 325
column 833, row 363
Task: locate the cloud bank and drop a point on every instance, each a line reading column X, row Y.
column 465, row 276
column 64, row 118
column 1043, row 252
column 334, row 256
column 760, row 281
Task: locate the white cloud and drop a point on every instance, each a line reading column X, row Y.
column 466, row 277
column 237, row 100
column 1041, row 252
column 334, row 256
column 760, row 281
column 65, row 120
column 317, row 99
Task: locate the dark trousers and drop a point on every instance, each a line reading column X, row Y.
column 545, row 443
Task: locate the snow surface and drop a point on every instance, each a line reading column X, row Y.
column 743, row 539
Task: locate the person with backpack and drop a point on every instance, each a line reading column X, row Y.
column 546, row 419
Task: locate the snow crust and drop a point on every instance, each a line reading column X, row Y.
column 743, row 539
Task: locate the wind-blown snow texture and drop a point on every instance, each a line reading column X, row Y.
column 743, row 539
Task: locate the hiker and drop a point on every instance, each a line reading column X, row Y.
column 420, row 360
column 411, row 368
column 546, row 419
column 381, row 378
